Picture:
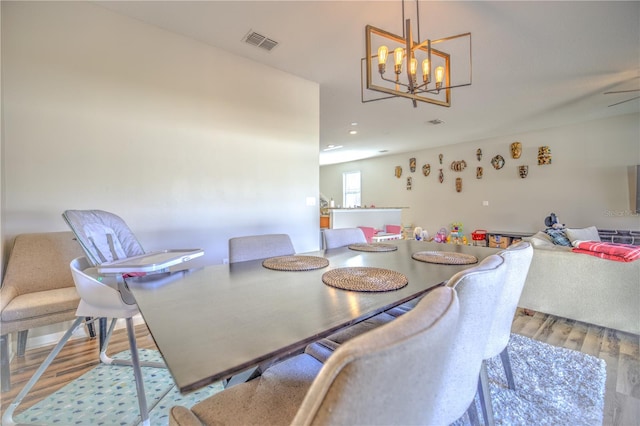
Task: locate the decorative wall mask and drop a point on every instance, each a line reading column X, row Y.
column 544, row 155
column 479, row 171
column 516, row 150
column 458, row 184
column 398, row 171
column 412, row 164
column 409, row 183
column 523, row 171
column 426, row 169
column 440, row 158
column 479, row 154
column 458, row 166
column 441, row 176
column 497, row 162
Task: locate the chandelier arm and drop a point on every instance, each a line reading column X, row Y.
column 435, row 91
column 394, row 81
column 440, row 40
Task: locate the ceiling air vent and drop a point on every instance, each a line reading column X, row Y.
column 258, row 40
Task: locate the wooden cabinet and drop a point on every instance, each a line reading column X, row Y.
column 324, row 221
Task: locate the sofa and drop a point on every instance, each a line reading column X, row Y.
column 582, row 287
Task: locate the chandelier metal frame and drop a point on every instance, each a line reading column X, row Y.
column 408, row 86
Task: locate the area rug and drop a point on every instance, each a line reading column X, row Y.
column 554, row 386
column 106, row 395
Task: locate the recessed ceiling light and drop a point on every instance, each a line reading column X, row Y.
column 353, row 132
column 331, row 147
column 354, row 123
column 435, row 121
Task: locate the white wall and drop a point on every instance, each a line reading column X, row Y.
column 189, row 144
column 586, row 184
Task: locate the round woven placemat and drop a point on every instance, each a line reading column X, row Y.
column 364, row 278
column 295, row 263
column 445, row 257
column 373, row 247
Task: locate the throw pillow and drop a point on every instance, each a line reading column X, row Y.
column 558, row 237
column 539, row 239
column 582, row 234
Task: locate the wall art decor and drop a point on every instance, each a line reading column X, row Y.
column 544, row 155
column 516, row 150
column 426, row 169
column 409, row 183
column 398, row 171
column 458, row 166
column 412, row 164
column 479, row 171
column 440, row 158
column 523, row 171
column 479, row 154
column 441, row 176
column 459, row 184
column 497, row 162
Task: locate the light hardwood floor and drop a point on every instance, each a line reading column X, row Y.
column 621, row 351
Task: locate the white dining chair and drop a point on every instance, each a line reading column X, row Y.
column 376, row 378
column 517, row 258
column 254, row 247
column 341, row 237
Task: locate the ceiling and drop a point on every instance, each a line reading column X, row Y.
column 535, row 64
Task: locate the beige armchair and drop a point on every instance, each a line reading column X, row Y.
column 37, row 289
column 376, row 378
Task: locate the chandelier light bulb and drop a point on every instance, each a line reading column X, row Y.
column 439, row 77
column 383, row 54
column 426, row 71
column 398, row 53
column 413, row 69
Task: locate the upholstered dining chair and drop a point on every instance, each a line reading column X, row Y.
column 341, row 237
column 376, row 378
column 255, row 247
column 478, row 289
column 517, row 259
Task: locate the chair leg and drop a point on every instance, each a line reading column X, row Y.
column 91, row 327
column 137, row 372
column 22, row 342
column 103, row 331
column 506, row 364
column 7, row 417
column 484, row 394
column 106, row 359
column 473, row 414
column 5, row 370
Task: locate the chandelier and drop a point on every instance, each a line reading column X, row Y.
column 417, row 70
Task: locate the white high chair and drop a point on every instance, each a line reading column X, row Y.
column 110, row 245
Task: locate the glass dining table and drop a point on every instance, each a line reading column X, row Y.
column 212, row 323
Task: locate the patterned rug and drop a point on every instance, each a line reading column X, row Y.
column 106, row 395
column 555, row 386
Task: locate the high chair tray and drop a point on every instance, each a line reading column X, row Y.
column 150, row 262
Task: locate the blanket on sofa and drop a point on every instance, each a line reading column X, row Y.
column 611, row 251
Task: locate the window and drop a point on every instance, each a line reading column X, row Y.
column 351, row 189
